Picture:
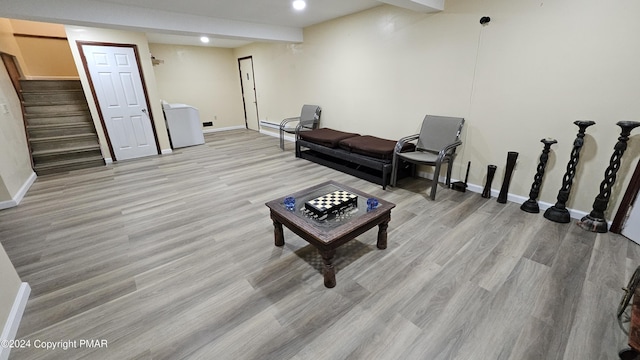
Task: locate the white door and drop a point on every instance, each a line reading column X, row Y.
column 117, row 82
column 249, row 93
column 631, row 227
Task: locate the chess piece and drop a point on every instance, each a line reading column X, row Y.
column 531, row 205
column 559, row 212
column 512, row 156
column 595, row 221
column 491, row 171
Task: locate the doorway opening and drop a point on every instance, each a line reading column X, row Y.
column 249, row 97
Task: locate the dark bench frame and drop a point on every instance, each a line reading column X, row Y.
column 378, row 171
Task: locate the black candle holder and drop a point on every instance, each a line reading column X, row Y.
column 559, row 212
column 512, row 156
column 491, row 171
column 531, row 205
column 595, row 221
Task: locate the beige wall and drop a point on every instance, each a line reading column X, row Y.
column 10, row 284
column 532, row 71
column 204, row 77
column 15, row 163
column 39, row 58
column 37, row 28
column 8, row 42
column 15, row 169
column 47, row 58
column 87, row 34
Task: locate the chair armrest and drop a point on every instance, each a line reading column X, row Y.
column 443, row 152
column 288, row 120
column 403, row 141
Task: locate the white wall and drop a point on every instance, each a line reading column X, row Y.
column 75, row 33
column 532, row 71
column 204, row 77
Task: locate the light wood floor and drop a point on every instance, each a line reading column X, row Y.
column 172, row 257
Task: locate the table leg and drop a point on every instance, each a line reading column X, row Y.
column 382, row 235
column 328, row 269
column 278, row 233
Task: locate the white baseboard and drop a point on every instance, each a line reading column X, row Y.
column 287, row 136
column 15, row 316
column 166, row 151
column 239, row 127
column 17, row 198
column 575, row 214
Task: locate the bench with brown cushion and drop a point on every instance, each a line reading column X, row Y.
column 367, row 157
column 326, row 137
column 373, row 146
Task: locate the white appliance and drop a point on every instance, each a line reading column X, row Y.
column 183, row 122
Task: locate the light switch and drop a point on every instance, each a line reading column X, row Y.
column 5, row 109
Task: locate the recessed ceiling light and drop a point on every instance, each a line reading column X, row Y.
column 204, row 39
column 299, row 4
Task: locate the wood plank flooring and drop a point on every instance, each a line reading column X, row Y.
column 172, row 257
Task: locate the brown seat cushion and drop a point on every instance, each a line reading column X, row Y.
column 326, row 137
column 373, row 146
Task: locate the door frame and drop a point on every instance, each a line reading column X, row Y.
column 95, row 96
column 255, row 93
column 627, row 201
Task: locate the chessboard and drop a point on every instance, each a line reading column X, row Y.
column 331, row 203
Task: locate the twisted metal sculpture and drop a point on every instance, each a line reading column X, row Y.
column 531, row 205
column 512, row 156
column 559, row 212
column 491, row 171
column 595, row 221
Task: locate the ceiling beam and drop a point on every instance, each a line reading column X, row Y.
column 100, row 14
column 426, row 6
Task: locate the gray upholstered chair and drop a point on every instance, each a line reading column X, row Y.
column 436, row 144
column 309, row 119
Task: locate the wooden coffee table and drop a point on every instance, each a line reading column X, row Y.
column 328, row 234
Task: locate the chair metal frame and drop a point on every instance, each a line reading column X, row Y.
column 444, row 155
column 303, row 123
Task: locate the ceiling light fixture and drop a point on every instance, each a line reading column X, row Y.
column 204, row 39
column 299, row 4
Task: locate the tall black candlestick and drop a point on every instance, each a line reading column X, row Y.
column 512, row 156
column 531, row 205
column 595, row 221
column 559, row 212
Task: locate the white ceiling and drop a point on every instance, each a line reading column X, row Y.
column 229, row 23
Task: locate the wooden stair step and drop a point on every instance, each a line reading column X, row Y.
column 29, row 85
column 58, row 114
column 58, row 129
column 68, row 165
column 62, row 138
column 60, row 151
column 57, row 108
column 53, row 102
column 58, row 125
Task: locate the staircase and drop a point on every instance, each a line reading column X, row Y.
column 61, row 133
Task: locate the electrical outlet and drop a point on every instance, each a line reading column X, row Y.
column 5, row 109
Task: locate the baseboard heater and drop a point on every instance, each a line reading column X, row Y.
column 268, row 124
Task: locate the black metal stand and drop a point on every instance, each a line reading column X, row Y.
column 491, row 171
column 531, row 205
column 512, row 156
column 595, row 221
column 559, row 212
